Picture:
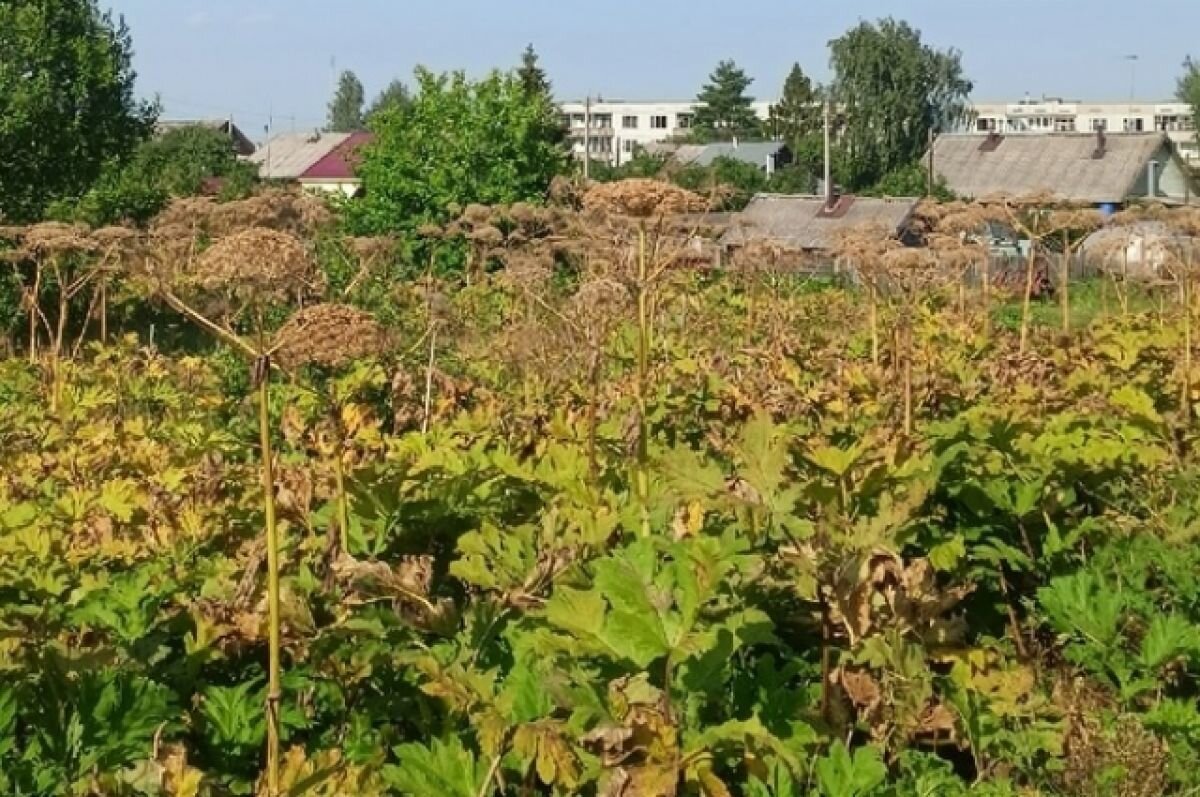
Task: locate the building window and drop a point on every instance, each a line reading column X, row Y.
column 1064, row 124
column 658, row 122
column 1135, row 125
column 1099, row 125
column 629, row 122
column 627, row 146
column 684, row 121
column 602, row 121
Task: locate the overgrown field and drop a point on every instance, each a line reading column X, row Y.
column 622, row 530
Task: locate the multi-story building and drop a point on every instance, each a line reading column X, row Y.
column 615, row 129
column 1057, row 115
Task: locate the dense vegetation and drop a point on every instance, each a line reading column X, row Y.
column 597, row 523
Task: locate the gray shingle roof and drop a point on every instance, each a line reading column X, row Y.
column 1061, row 164
column 287, row 156
column 796, row 222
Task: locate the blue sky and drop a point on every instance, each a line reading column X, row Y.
column 252, row 58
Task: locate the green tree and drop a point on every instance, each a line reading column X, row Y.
column 732, row 182
column 723, row 109
column 892, row 92
column 346, row 107
column 180, row 163
column 459, row 142
column 396, row 95
column 798, row 112
column 532, row 76
column 1188, row 90
column 67, row 104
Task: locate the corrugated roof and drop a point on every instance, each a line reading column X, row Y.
column 753, row 152
column 797, row 222
column 288, row 156
column 1061, row 164
column 342, row 162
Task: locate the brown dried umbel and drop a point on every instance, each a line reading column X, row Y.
column 643, row 198
column 330, row 335
column 286, row 211
column 257, row 265
column 52, row 238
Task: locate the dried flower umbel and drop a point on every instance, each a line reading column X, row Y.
column 257, row 265
column 328, row 335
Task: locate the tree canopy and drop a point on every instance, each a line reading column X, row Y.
column 723, row 108
column 67, row 103
column 395, row 96
column 1188, row 89
column 532, row 76
column 460, row 141
column 892, row 91
column 186, row 161
column 798, row 112
column 346, row 108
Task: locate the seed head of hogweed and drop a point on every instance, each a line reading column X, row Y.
column 370, row 249
column 477, row 214
column 12, row 233
column 257, row 264
column 642, row 198
column 330, row 335
column 600, row 302
column 56, row 238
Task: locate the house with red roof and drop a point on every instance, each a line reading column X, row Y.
column 318, row 161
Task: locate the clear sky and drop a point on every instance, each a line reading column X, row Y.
column 251, row 58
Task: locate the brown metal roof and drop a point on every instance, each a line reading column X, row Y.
column 1067, row 166
column 802, row 223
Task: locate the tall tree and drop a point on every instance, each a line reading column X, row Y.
column 346, row 107
column 798, row 112
column 67, row 104
column 532, row 76
column 892, row 91
column 460, row 142
column 395, row 97
column 723, row 109
column 1188, row 90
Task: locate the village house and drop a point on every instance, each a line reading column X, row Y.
column 319, row 162
column 1099, row 169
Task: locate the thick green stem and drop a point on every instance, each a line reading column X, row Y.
column 1065, row 279
column 274, row 689
column 643, row 378
column 1027, row 301
column 343, row 502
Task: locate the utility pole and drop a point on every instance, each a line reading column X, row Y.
column 1133, row 62
column 828, row 155
column 587, row 137
column 929, row 177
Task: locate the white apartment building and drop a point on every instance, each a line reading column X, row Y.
column 619, row 128
column 1056, row 115
column 615, row 129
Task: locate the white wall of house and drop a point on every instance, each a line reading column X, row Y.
column 619, row 129
column 347, row 188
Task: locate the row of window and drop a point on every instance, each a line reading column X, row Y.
column 1068, row 124
column 604, row 121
